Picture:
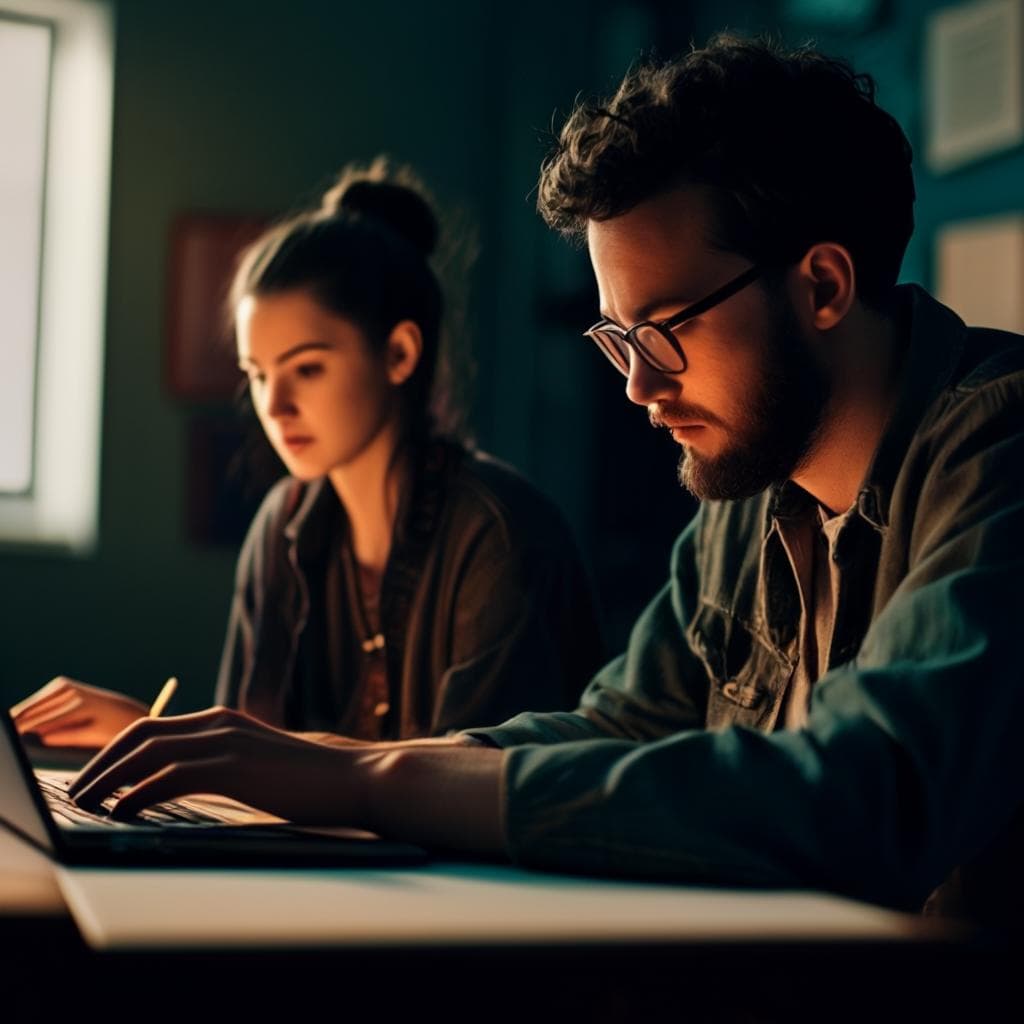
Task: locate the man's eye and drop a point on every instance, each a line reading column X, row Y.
column 308, row 370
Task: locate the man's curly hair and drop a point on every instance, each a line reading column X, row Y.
column 791, row 144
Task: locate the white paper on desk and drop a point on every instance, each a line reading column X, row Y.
column 441, row 904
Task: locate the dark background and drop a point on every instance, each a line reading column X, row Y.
column 247, row 108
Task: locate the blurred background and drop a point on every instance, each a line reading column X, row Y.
column 246, row 108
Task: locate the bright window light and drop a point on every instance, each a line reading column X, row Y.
column 24, row 96
column 56, row 96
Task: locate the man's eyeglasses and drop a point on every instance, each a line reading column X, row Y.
column 653, row 340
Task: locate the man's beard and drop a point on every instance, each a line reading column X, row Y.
column 778, row 428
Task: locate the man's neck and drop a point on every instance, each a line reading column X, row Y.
column 864, row 364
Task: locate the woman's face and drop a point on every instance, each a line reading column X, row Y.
column 323, row 398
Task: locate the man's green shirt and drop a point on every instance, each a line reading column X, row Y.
column 911, row 762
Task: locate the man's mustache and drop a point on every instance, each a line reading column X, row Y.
column 669, row 414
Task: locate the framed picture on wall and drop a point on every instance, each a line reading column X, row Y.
column 975, row 85
column 979, row 270
column 199, row 357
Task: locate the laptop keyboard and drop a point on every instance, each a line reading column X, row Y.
column 68, row 813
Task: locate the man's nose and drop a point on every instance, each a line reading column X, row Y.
column 644, row 384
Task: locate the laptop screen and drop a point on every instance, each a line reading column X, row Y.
column 21, row 804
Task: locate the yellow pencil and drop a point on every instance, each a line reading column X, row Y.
column 165, row 694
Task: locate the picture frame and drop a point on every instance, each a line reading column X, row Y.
column 975, row 85
column 200, row 364
column 979, row 270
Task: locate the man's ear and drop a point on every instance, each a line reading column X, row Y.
column 826, row 285
column 403, row 351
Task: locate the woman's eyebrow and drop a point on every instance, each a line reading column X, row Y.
column 295, row 350
column 304, row 346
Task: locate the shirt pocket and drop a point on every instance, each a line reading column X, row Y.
column 747, row 676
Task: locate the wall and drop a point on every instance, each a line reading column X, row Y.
column 893, row 52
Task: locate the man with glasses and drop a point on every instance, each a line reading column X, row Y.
column 828, row 690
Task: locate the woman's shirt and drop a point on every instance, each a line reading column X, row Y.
column 484, row 608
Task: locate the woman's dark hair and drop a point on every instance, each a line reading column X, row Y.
column 790, row 143
column 364, row 253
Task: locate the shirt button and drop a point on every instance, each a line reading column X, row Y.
column 381, row 709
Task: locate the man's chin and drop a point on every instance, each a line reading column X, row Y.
column 732, row 476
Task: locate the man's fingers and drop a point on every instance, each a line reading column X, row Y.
column 149, row 758
column 170, row 782
column 145, row 729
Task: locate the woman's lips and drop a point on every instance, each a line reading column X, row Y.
column 297, row 443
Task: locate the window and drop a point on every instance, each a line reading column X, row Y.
column 56, row 91
column 24, row 99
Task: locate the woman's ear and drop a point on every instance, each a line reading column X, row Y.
column 404, row 348
column 827, row 285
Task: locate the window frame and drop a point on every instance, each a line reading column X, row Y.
column 61, row 510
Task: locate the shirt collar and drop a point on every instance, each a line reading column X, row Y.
column 318, row 516
column 936, row 342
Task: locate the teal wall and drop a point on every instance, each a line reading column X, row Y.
column 893, row 51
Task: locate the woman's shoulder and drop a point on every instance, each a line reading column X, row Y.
column 486, row 491
column 279, row 504
column 283, row 509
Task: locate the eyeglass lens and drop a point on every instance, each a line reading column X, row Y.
column 657, row 349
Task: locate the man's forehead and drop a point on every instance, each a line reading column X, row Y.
column 684, row 209
column 660, row 249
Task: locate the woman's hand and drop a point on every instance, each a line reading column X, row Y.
column 67, row 713
column 229, row 753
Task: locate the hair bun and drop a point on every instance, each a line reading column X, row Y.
column 393, row 198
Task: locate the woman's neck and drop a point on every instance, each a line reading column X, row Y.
column 370, row 487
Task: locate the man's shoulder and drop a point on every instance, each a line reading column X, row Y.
column 962, row 392
column 987, row 386
column 961, row 358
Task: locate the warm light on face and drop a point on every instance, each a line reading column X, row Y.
column 322, row 397
column 746, row 407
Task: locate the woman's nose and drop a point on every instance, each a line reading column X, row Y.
column 277, row 399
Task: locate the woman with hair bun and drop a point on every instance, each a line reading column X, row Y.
column 396, row 584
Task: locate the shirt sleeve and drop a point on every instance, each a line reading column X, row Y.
column 658, row 686
column 237, row 655
column 910, row 761
column 251, row 575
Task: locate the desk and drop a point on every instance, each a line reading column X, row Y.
column 483, row 940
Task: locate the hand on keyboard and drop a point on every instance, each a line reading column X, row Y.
column 224, row 752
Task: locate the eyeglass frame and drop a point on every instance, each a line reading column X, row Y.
column 667, row 326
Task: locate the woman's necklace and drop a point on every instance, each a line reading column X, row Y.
column 367, row 586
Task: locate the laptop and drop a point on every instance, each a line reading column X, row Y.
column 181, row 833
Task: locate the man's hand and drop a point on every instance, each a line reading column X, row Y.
column 67, row 713
column 226, row 752
column 433, row 793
